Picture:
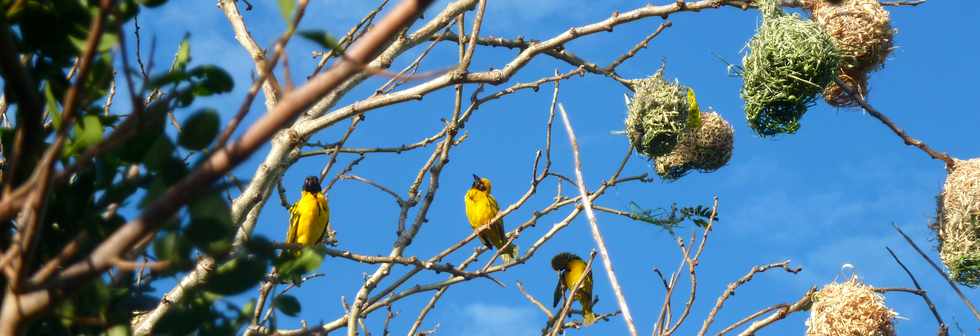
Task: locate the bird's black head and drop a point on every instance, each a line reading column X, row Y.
column 478, row 183
column 560, row 261
column 311, row 184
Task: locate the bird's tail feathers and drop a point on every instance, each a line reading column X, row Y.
column 587, row 315
column 510, row 253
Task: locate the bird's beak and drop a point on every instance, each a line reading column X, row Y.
column 476, row 178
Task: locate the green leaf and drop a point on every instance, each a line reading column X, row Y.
column 168, row 78
column 151, row 3
column 119, row 330
column 51, row 105
column 323, row 39
column 237, row 275
column 199, row 129
column 213, row 80
column 261, row 246
column 286, row 8
column 88, row 132
column 294, row 264
column 183, row 55
column 211, row 228
column 173, row 247
column 159, row 154
column 155, row 190
column 287, row 304
column 247, row 310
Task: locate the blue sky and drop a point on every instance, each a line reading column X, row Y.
column 821, row 198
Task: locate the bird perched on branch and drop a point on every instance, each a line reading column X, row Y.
column 481, row 207
column 309, row 216
column 570, row 269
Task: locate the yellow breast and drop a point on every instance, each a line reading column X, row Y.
column 480, row 207
column 310, row 217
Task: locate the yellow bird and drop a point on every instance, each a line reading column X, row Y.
column 481, row 207
column 694, row 112
column 310, row 216
column 570, row 268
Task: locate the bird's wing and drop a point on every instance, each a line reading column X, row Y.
column 294, row 221
column 586, row 288
column 499, row 225
column 322, row 210
column 559, row 289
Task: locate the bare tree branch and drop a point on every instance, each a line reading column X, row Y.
column 596, row 235
column 952, row 284
column 943, row 329
column 741, row 281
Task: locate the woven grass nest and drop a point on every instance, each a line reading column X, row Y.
column 849, row 308
column 657, row 115
column 958, row 222
column 863, row 34
column 706, row 148
column 789, row 61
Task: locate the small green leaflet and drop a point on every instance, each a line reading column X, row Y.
column 323, row 39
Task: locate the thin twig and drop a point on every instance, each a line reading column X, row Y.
column 802, row 304
column 529, row 297
column 898, row 131
column 943, row 329
column 940, row 271
column 741, row 281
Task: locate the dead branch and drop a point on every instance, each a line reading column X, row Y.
column 741, row 281
column 952, row 284
column 943, row 329
column 596, row 235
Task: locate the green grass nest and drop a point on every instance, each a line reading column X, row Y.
column 657, row 115
column 789, row 62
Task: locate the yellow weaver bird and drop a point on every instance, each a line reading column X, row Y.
column 694, row 112
column 309, row 216
column 570, row 268
column 481, row 207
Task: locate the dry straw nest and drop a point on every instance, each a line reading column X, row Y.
column 863, row 34
column 958, row 222
column 706, row 148
column 790, row 61
column 657, row 115
column 849, row 308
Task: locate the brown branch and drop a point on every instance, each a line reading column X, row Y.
column 952, row 284
column 611, row 68
column 267, row 79
column 353, row 34
column 529, row 297
column 898, row 131
column 343, row 139
column 596, row 235
column 29, row 135
column 943, row 329
column 800, row 305
column 741, row 281
column 270, row 86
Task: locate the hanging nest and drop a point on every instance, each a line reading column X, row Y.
column 958, row 222
column 789, row 61
column 706, row 148
column 863, row 34
column 849, row 308
column 657, row 115
column 836, row 96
